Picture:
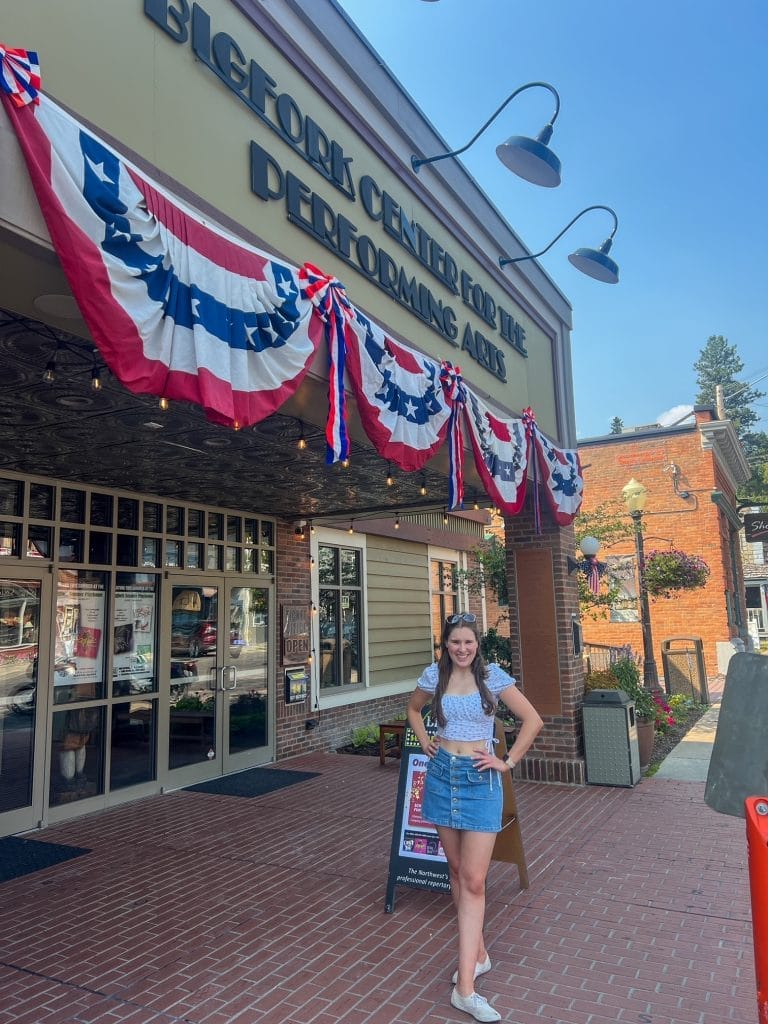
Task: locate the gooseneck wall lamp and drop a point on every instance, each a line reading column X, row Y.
column 531, row 159
column 592, row 262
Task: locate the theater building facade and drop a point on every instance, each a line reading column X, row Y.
column 261, row 384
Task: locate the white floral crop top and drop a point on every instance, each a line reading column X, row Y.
column 464, row 716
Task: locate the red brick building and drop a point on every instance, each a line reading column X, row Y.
column 691, row 471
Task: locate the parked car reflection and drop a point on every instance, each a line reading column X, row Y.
column 194, row 637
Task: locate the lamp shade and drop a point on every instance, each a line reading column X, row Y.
column 634, row 495
column 530, row 159
column 596, row 263
column 589, row 546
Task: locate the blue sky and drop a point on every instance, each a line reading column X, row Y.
column 663, row 119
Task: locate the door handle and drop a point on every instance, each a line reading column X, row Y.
column 228, row 673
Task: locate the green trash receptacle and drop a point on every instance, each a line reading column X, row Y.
column 682, row 662
column 610, row 739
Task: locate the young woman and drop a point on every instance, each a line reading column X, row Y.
column 462, row 792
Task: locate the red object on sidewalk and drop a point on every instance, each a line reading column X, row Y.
column 756, row 808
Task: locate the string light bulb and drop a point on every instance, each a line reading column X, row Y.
column 390, row 479
column 476, row 505
column 445, row 516
column 423, row 488
column 164, row 404
column 351, row 529
column 49, row 373
column 95, row 379
column 397, row 522
column 345, row 463
column 301, row 444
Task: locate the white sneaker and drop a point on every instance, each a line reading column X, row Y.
column 482, row 968
column 475, row 1005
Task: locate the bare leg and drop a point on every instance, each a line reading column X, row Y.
column 67, row 764
column 468, row 855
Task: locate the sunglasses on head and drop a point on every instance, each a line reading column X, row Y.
column 461, row 617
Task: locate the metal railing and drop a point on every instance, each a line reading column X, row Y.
column 598, row 657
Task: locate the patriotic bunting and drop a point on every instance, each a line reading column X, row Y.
column 329, row 299
column 456, row 394
column 20, row 75
column 561, row 472
column 399, row 395
column 500, row 448
column 177, row 307
column 181, row 308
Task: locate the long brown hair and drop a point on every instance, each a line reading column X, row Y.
column 445, row 666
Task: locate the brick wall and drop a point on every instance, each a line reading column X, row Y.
column 557, row 753
column 331, row 728
column 694, row 525
column 556, row 756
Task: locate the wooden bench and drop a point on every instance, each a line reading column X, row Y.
column 395, row 729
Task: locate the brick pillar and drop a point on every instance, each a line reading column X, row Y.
column 543, row 605
column 294, row 588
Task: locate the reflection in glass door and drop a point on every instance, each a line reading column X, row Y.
column 192, row 730
column 220, row 708
column 21, row 603
column 247, row 708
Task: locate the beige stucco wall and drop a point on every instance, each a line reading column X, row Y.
column 155, row 97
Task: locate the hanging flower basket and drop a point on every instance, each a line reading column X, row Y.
column 666, row 572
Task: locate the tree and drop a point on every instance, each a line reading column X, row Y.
column 719, row 364
column 617, row 425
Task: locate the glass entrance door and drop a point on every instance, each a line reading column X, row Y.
column 248, row 700
column 220, row 705
column 24, row 627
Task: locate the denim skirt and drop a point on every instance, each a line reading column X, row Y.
column 459, row 796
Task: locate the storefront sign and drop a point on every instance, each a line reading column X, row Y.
column 306, row 209
column 416, row 856
column 756, row 527
column 295, row 634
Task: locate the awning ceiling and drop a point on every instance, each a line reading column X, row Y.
column 67, row 430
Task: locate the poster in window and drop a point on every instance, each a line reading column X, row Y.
column 79, row 655
column 133, row 638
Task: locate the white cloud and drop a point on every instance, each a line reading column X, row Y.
column 676, row 414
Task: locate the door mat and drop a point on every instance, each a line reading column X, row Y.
column 23, row 856
column 253, row 782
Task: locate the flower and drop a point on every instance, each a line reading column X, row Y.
column 663, row 714
column 665, row 572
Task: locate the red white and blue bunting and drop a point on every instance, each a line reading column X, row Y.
column 20, row 75
column 181, row 308
column 399, row 395
column 500, row 447
column 177, row 307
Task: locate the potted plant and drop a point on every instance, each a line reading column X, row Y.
column 666, row 572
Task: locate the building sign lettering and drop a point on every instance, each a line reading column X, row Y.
column 186, row 22
column 756, row 527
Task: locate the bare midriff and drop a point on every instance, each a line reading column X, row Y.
column 463, row 748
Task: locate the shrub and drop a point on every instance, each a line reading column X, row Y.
column 627, row 673
column 364, row 735
column 680, row 704
column 600, row 679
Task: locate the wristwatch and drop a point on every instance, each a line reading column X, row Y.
column 506, row 759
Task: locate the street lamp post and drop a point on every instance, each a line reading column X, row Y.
column 634, row 498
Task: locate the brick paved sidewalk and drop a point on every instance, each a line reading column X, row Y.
column 218, row 910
